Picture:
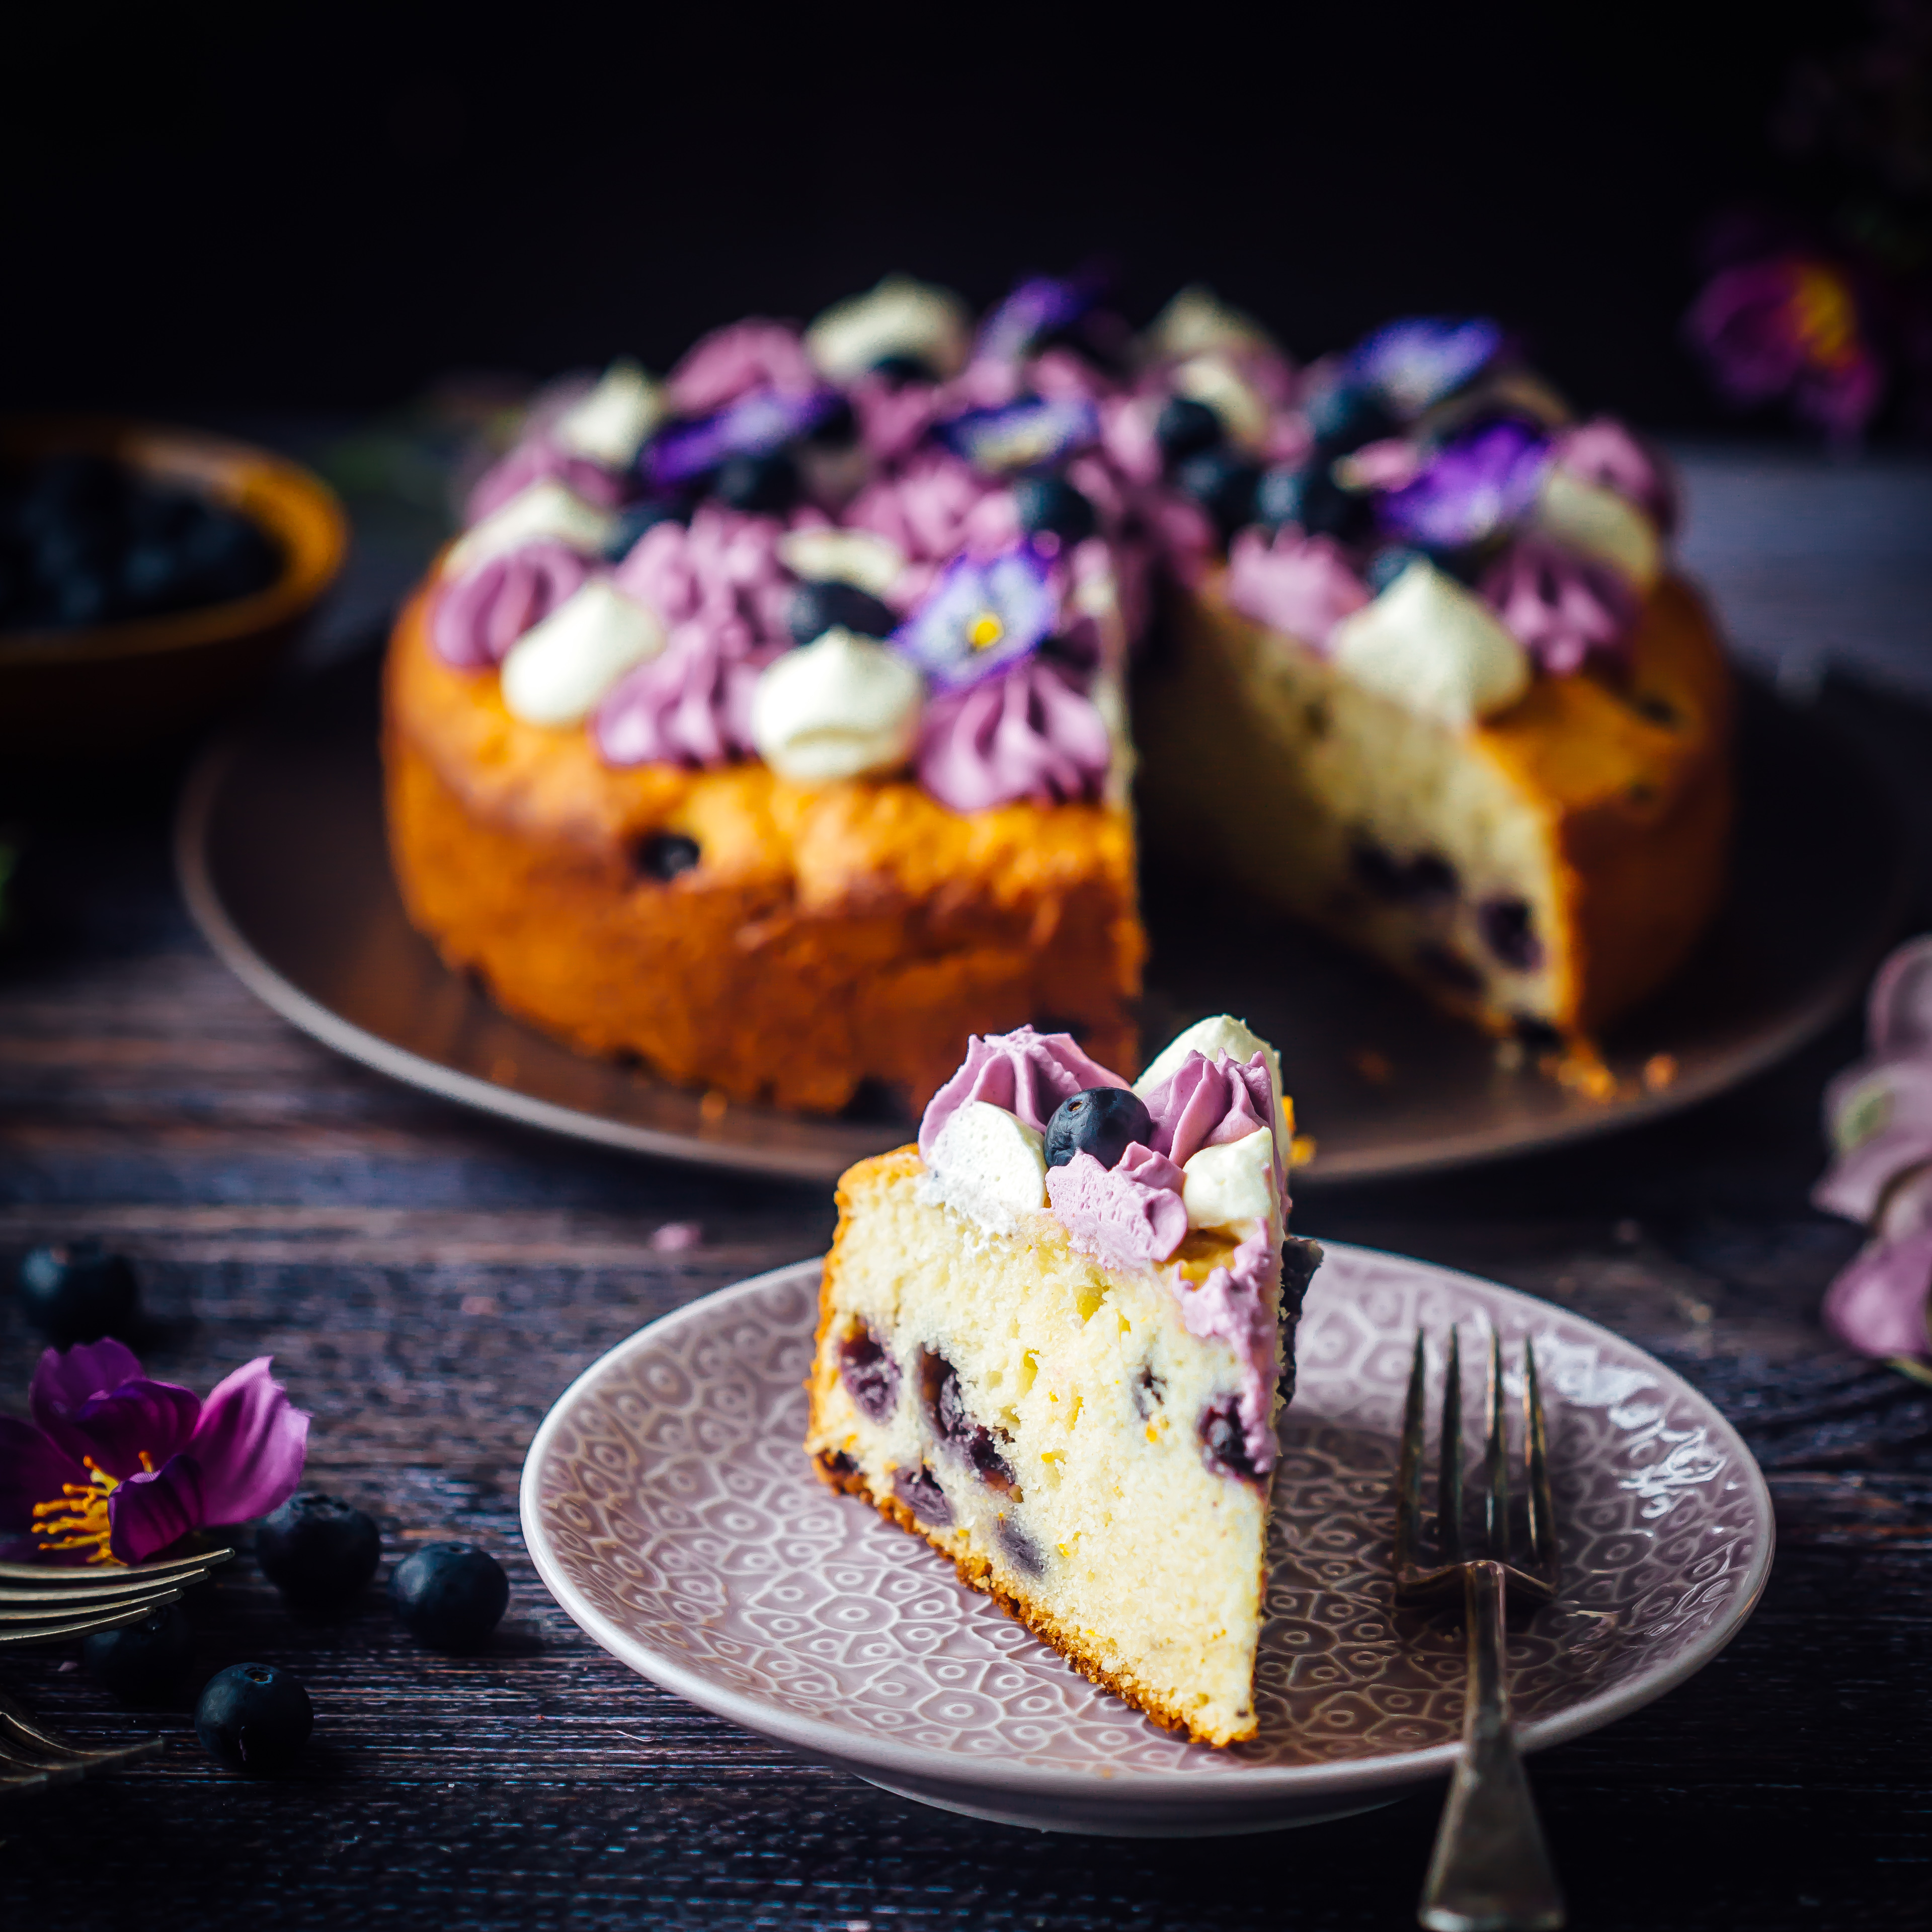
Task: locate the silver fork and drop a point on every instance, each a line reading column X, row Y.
column 31, row 1758
column 1490, row 1870
column 42, row 1602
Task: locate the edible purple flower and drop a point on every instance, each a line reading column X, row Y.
column 115, row 1466
column 1471, row 489
column 980, row 617
column 1036, row 307
column 1024, row 435
column 1418, row 361
column 1789, row 325
column 753, row 425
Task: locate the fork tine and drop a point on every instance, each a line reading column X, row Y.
column 1449, row 1476
column 59, row 1628
column 17, row 1728
column 55, row 1602
column 1495, row 1461
column 55, row 1577
column 1542, row 1505
column 1409, row 1476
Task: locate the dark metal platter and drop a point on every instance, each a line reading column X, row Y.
column 281, row 853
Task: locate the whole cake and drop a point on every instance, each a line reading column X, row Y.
column 1053, row 1339
column 769, row 723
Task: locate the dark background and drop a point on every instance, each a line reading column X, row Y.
column 213, row 210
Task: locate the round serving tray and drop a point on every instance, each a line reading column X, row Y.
column 282, row 856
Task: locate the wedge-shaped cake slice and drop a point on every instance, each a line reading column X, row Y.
column 1053, row 1337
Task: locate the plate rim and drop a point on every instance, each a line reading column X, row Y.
column 888, row 1757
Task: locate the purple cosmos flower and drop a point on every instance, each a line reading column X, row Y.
column 1036, row 307
column 1470, row 489
column 1024, row 435
column 979, row 618
column 115, row 1466
column 753, row 425
column 1415, row 362
column 1789, row 325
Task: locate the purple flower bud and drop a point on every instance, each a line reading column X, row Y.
column 753, row 425
column 1470, row 490
column 1026, row 435
column 1415, row 362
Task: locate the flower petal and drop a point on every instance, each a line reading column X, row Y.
column 250, row 1442
column 66, row 1377
column 1877, row 1303
column 32, row 1470
column 149, row 1512
column 115, row 1428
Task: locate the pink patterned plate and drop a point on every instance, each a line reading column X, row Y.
column 670, row 1509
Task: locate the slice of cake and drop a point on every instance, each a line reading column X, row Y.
column 1053, row 1338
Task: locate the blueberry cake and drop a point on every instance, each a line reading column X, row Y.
column 1053, row 1338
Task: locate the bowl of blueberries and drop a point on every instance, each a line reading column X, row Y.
column 146, row 574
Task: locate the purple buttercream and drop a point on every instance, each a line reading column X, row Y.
column 538, row 460
column 1560, row 606
column 1128, row 1216
column 1207, row 1103
column 692, row 706
column 1027, row 734
column 734, row 360
column 1027, row 1073
column 1602, row 452
column 479, row 616
column 1231, row 1306
column 1301, row 585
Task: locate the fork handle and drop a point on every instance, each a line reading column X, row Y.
column 1490, row 1870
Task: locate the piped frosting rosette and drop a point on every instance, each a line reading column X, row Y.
column 1879, row 1115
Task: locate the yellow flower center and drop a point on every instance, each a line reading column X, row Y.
column 984, row 631
column 77, row 1518
column 1825, row 317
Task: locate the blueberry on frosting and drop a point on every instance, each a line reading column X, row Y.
column 1050, row 506
column 1103, row 1121
column 815, row 608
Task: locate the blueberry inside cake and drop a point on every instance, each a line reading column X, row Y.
column 1054, row 1336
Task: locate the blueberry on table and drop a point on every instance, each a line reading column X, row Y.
column 1103, row 1121
column 449, row 1595
column 75, row 1291
column 143, row 1663
column 253, row 1717
column 318, row 1551
column 1185, row 427
column 817, row 608
column 1051, row 505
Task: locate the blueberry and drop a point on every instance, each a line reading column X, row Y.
column 1344, row 417
column 1051, row 505
column 1508, row 930
column 816, row 608
column 449, row 1595
column 1102, row 1121
column 1223, row 485
column 1224, row 1443
column 75, row 1292
column 1418, row 880
column 870, row 1376
column 1022, row 1551
column 143, row 1663
column 1387, row 564
column 837, row 429
column 767, row 484
column 1310, row 498
column 664, row 855
column 318, row 1551
column 897, row 370
column 1300, row 1259
column 1185, row 428
column 954, row 1424
column 919, row 1489
column 253, row 1717
column 633, row 521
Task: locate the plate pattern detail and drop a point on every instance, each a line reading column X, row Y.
column 677, row 1499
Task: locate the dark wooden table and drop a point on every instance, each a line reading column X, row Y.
column 429, row 1281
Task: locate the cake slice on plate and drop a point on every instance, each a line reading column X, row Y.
column 1053, row 1337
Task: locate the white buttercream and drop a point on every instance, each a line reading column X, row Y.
column 1213, row 379
column 874, row 563
column 839, row 707
column 899, row 317
column 1585, row 516
column 1235, row 1182
column 610, row 425
column 545, row 509
column 1433, row 647
column 558, row 670
column 1211, row 1038
column 989, row 1165
column 1197, row 322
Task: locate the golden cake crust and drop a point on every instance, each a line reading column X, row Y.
column 829, row 935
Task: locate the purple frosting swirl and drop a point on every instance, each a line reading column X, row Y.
column 1301, row 585
column 1559, row 605
column 690, row 706
column 479, row 616
column 537, row 460
column 1207, row 1103
column 1231, row 1306
column 1029, row 734
column 1602, row 452
column 736, row 360
column 1027, row 1073
column 1129, row 1215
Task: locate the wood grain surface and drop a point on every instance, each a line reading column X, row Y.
column 429, row 1281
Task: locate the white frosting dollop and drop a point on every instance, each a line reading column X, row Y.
column 545, row 509
column 1433, row 647
column 839, row 707
column 609, row 425
column 1235, row 1182
column 559, row 670
column 1211, row 1037
column 1212, row 379
column 1198, row 322
column 900, row 317
column 874, row 563
column 989, row 1165
column 1585, row 516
